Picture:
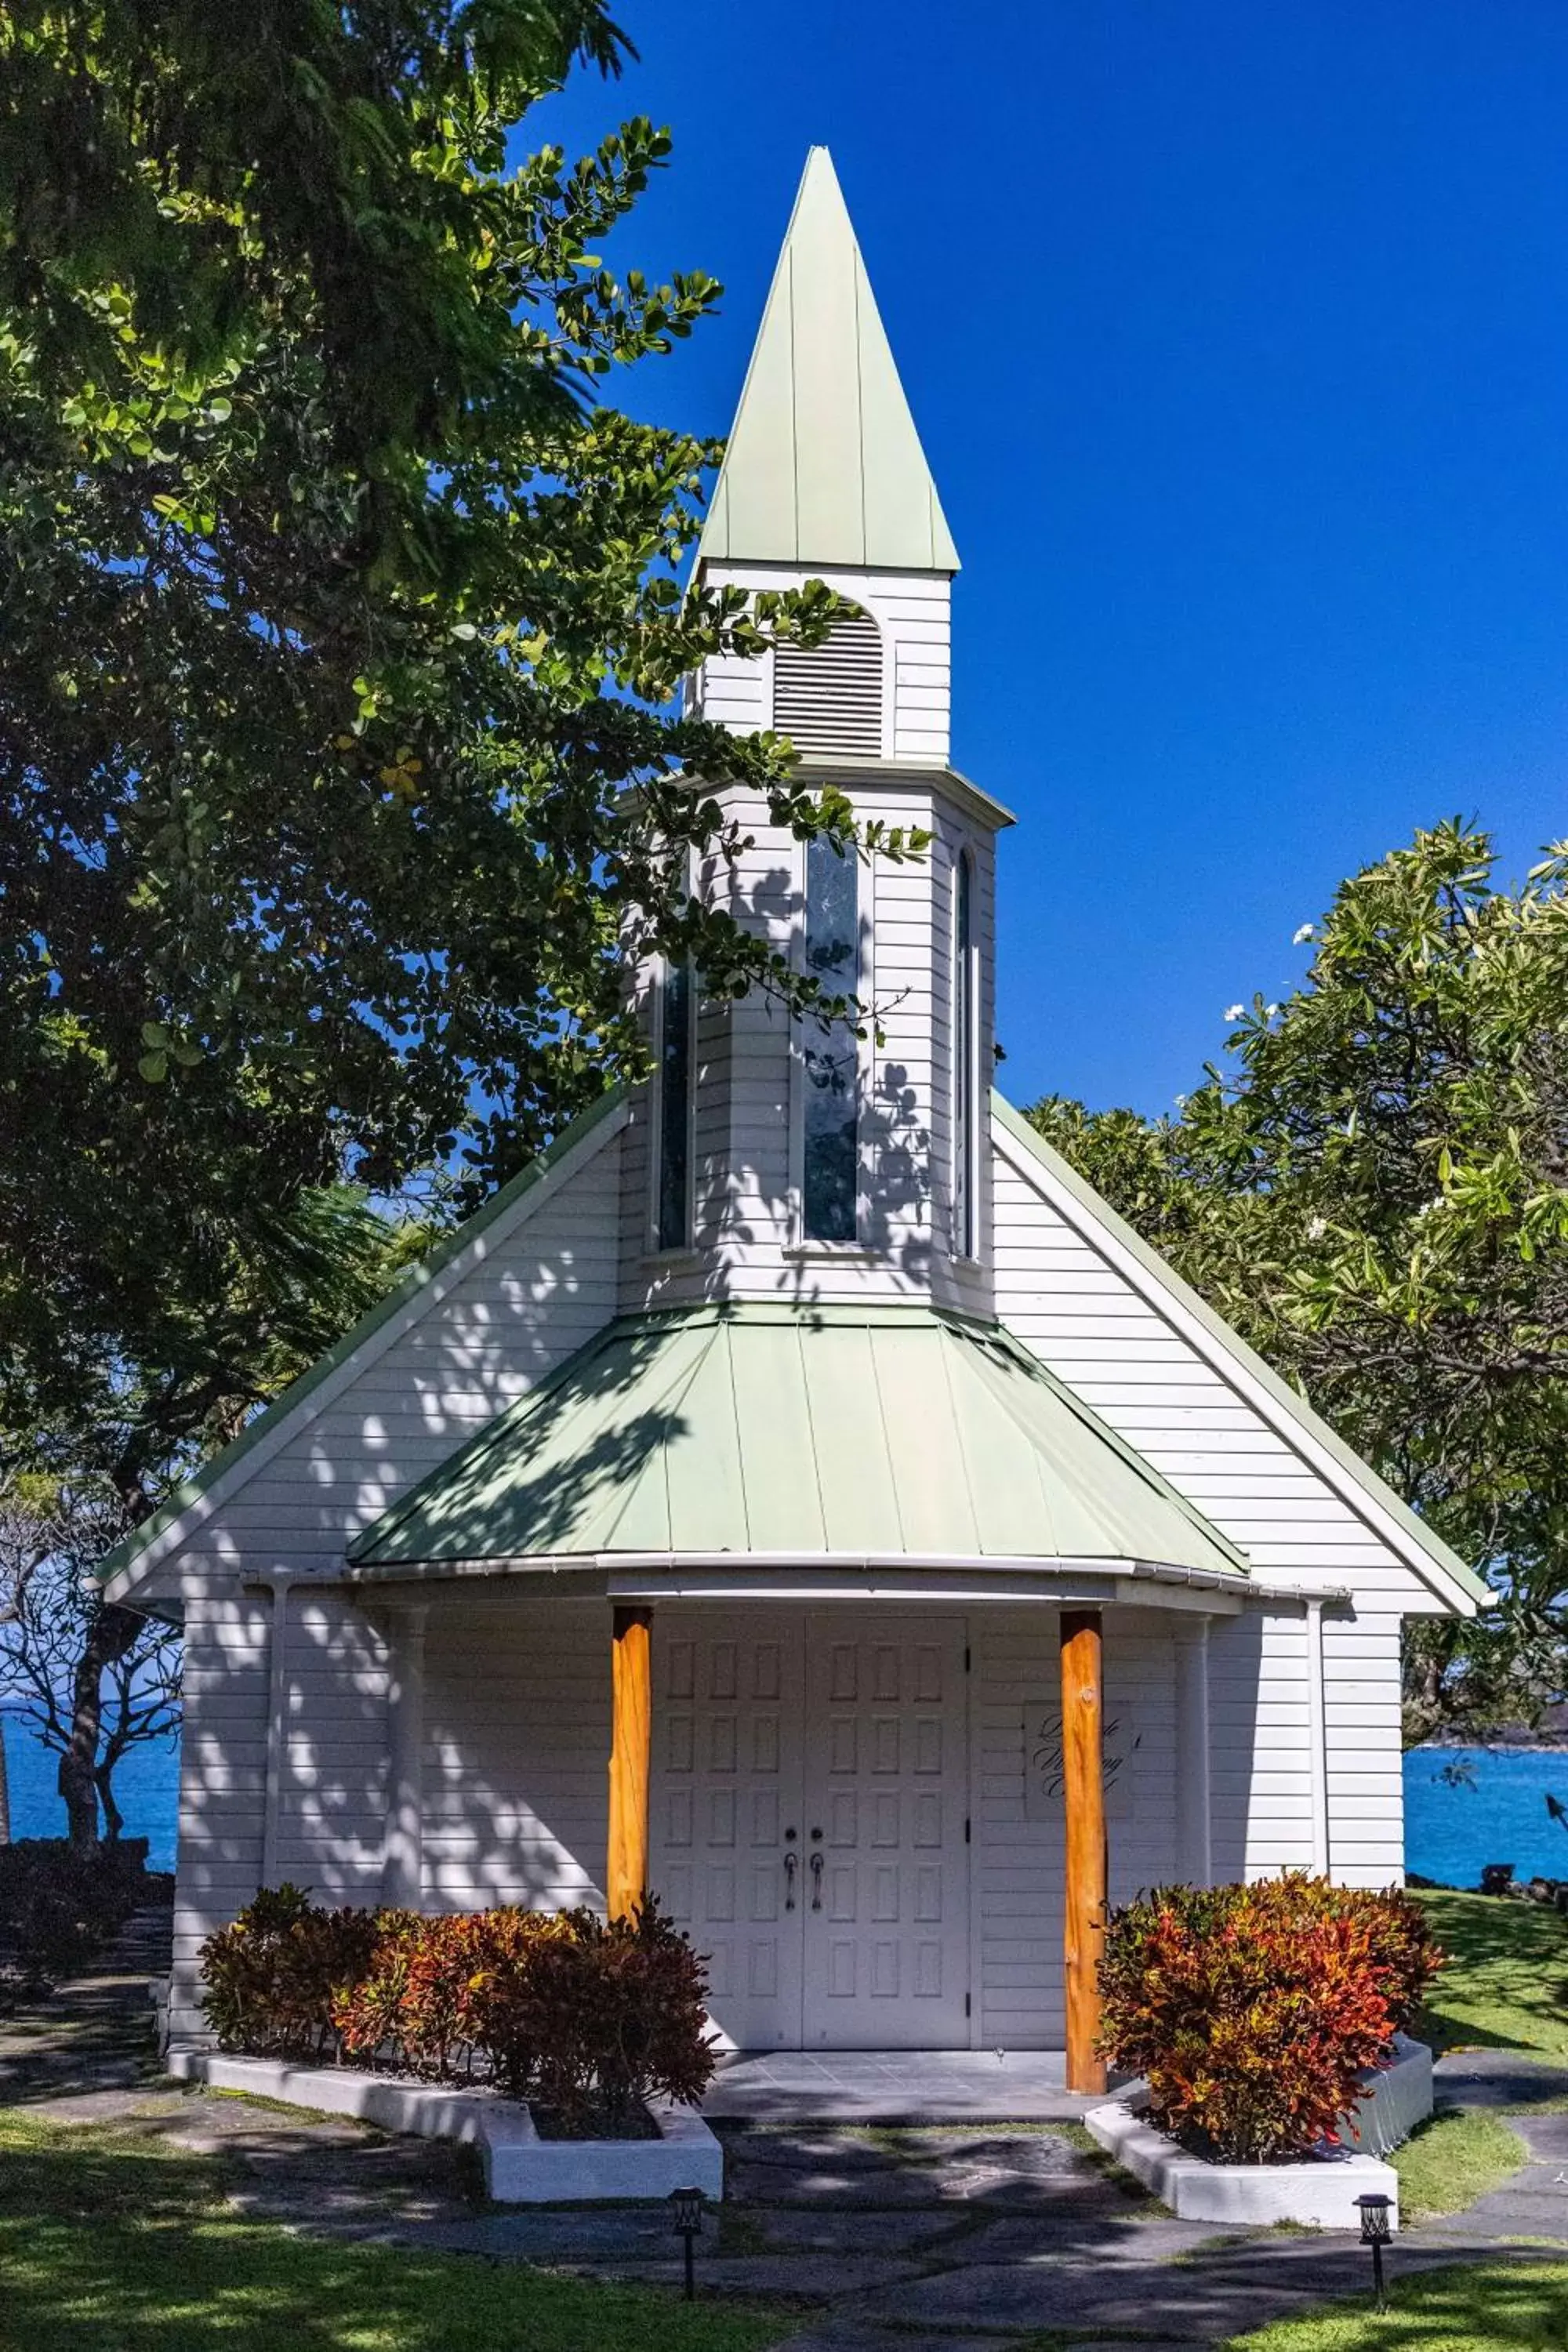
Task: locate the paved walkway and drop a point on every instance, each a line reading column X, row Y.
column 970, row 2237
column 894, row 2086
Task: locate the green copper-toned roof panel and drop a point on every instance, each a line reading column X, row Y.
column 824, row 466
column 880, row 1431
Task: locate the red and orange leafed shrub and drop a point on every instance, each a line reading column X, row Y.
column 587, row 2018
column 1252, row 2012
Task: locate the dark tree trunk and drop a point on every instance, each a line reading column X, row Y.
column 113, row 1819
column 110, row 1636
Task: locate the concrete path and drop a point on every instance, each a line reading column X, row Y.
column 894, row 2086
column 952, row 2239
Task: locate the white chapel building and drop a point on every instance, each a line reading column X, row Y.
column 732, row 1507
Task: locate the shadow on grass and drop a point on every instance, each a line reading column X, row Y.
column 1506, row 1984
column 114, row 2241
column 1496, row 2306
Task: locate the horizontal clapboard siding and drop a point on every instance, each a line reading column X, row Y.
column 1062, row 1296
column 517, row 1711
column 1018, row 1863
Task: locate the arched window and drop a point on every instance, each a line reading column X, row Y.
column 965, row 1056
column 677, row 1013
column 829, row 698
column 830, row 1056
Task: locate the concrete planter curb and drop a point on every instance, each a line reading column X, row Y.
column 520, row 2168
column 1320, row 2193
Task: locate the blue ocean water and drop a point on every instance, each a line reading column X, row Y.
column 1463, row 1806
column 146, row 1788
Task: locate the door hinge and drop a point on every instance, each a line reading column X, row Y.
column 966, row 2007
column 966, row 1828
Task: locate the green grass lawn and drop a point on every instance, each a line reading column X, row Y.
column 1453, row 2159
column 1506, row 1984
column 110, row 2240
column 1483, row 2307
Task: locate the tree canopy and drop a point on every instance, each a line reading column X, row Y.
column 343, row 769
column 1373, row 1189
column 340, row 627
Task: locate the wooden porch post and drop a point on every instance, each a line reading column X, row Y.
column 631, row 1731
column 1083, row 1785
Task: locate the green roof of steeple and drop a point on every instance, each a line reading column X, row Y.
column 824, row 466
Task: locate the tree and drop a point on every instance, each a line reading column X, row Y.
column 94, row 1681
column 1373, row 1189
column 339, row 626
column 341, row 773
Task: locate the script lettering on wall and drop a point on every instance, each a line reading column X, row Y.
column 1043, row 1764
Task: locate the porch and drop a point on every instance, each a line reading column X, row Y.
column 804, row 1530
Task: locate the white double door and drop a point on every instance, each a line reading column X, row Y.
column 810, row 1818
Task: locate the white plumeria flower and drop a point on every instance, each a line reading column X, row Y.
column 1308, row 931
column 1270, row 1011
column 1232, row 1012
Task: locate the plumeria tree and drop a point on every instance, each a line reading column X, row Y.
column 1373, row 1186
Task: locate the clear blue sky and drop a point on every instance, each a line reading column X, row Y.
column 1237, row 336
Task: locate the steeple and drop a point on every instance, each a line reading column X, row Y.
column 825, row 466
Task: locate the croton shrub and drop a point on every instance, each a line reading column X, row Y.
column 589, row 2020
column 1252, row 2012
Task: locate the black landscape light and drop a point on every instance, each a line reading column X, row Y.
column 685, row 2206
column 1375, row 2233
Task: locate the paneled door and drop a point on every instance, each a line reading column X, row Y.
column 887, row 1916
column 809, row 1804
column 726, row 1844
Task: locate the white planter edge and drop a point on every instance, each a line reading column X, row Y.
column 1319, row 2193
column 520, row 2168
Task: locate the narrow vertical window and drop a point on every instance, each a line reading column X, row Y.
column 674, row 1214
column 965, row 1012
column 831, row 1057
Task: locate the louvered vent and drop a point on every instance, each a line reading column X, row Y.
column 830, row 699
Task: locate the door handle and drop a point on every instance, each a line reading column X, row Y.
column 816, row 1882
column 792, row 1863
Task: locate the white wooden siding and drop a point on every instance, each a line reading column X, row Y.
column 223, row 1777
column 1061, row 1294
column 541, row 1294
column 517, row 1716
column 1016, row 1686
column 522, row 1311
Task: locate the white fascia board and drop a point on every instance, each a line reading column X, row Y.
column 1160, row 1290
column 386, row 1334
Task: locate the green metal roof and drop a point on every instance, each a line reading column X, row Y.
column 847, row 1432
column 824, row 466
column 1419, row 1535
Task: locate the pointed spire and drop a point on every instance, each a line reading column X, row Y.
column 824, row 466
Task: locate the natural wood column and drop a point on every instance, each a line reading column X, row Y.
column 631, row 1731
column 1083, row 1789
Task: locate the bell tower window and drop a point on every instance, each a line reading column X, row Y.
column 829, row 698
column 830, row 1055
column 965, row 1055
column 672, row 1203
